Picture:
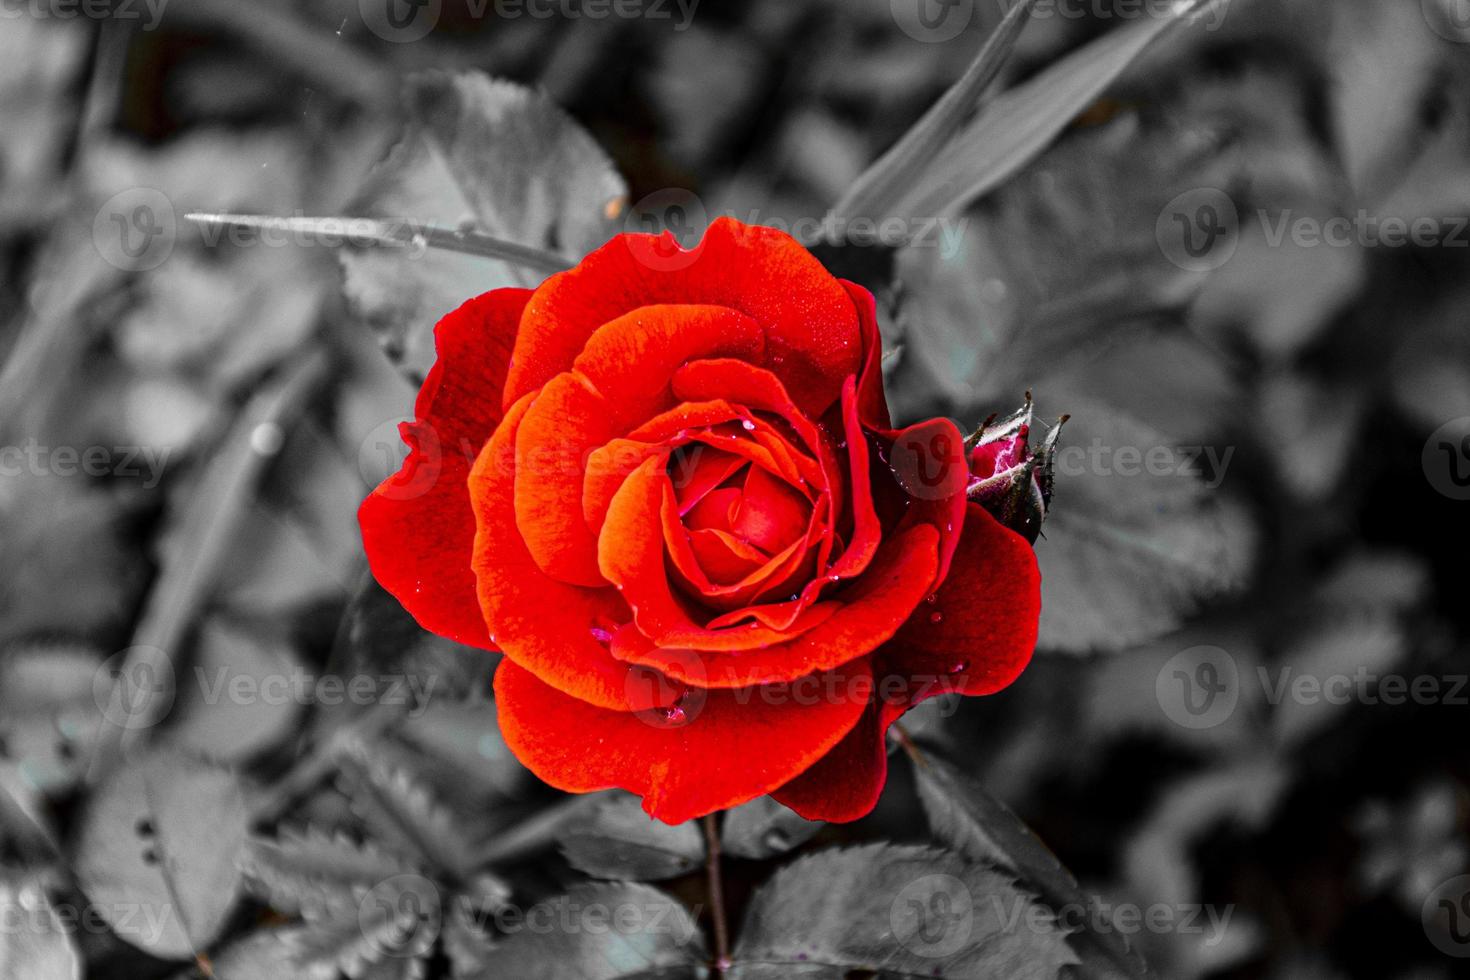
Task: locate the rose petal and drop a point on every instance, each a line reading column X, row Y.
column 631, row 551
column 559, row 631
column 811, row 326
column 728, row 747
column 975, row 638
column 979, row 633
column 417, row 527
column 864, row 617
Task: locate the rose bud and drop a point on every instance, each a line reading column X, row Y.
column 1006, row 477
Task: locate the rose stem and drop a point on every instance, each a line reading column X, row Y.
column 901, row 735
column 716, row 895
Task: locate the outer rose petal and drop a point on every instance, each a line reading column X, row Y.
column 975, row 638
column 810, row 324
column 417, row 526
column 872, row 403
column 540, row 623
column 735, row 745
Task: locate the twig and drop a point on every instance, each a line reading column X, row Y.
column 901, row 736
column 532, row 834
column 398, row 233
column 717, row 895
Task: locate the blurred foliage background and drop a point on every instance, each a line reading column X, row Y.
column 241, row 409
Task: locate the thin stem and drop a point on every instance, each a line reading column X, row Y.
column 716, row 895
column 901, row 735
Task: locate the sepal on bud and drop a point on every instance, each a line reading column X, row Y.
column 1006, row 477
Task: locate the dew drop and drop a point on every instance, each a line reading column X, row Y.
column 932, row 598
column 601, row 635
column 673, row 714
column 936, row 617
column 747, row 425
column 960, row 667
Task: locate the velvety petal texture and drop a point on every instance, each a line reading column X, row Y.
column 666, row 486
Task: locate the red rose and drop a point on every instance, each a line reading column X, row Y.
column 665, row 485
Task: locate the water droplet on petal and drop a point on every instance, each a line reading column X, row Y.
column 673, row 714
column 960, row 667
column 601, row 635
column 747, row 425
column 936, row 617
column 932, row 598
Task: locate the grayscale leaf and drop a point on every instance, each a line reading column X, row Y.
column 158, row 852
column 764, row 829
column 607, row 931
column 34, row 945
column 491, row 156
column 615, row 839
column 966, row 817
column 314, row 874
column 897, row 912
